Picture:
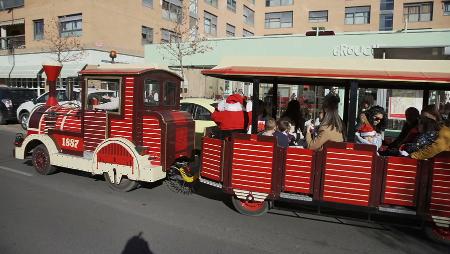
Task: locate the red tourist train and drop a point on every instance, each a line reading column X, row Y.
column 139, row 134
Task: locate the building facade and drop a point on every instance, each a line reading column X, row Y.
column 124, row 26
column 298, row 17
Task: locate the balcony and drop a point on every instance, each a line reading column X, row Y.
column 12, row 34
column 12, row 42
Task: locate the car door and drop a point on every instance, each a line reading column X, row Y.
column 202, row 117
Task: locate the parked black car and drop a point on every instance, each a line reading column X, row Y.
column 10, row 99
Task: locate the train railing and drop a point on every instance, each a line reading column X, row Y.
column 439, row 190
column 251, row 166
column 350, row 174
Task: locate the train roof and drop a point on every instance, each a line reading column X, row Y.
column 290, row 70
column 124, row 69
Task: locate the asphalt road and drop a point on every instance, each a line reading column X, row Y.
column 71, row 212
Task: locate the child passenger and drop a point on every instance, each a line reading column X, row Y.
column 279, row 130
column 367, row 135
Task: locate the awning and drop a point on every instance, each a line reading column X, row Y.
column 31, row 71
column 268, row 68
column 20, row 71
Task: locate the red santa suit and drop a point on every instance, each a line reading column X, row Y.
column 230, row 114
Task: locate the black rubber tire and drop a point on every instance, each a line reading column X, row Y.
column 21, row 120
column 125, row 184
column 433, row 235
column 41, row 160
column 250, row 208
column 2, row 118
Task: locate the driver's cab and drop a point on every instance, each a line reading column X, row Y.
column 138, row 103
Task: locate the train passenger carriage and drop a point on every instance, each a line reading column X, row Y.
column 256, row 172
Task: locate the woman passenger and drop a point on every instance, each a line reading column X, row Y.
column 330, row 129
column 441, row 144
column 428, row 129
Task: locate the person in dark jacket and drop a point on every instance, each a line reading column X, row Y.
column 410, row 131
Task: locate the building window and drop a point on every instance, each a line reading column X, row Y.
column 386, row 22
column 9, row 4
column 387, row 5
column 168, row 36
column 278, row 20
column 447, row 8
column 418, row 12
column 231, row 30
column 147, row 3
column 147, row 35
column 270, row 3
column 357, row 15
column 249, row 16
column 71, row 25
column 171, row 11
column 210, row 23
column 38, row 29
column 318, row 16
column 211, row 2
column 246, row 33
column 231, row 5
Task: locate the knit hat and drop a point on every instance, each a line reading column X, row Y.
column 366, row 130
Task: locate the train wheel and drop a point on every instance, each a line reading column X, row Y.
column 41, row 160
column 438, row 234
column 125, row 184
column 250, row 208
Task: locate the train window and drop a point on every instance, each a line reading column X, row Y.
column 151, row 92
column 103, row 94
column 170, row 94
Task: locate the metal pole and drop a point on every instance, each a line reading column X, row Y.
column 255, row 106
column 353, row 96
column 426, row 97
column 275, row 100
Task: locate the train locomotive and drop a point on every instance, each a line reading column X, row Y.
column 138, row 140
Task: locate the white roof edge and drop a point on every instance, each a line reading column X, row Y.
column 357, row 64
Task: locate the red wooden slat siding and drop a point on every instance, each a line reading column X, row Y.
column 94, row 129
column 115, row 154
column 348, row 176
column 298, row 170
column 400, row 187
column 151, row 138
column 124, row 127
column 60, row 118
column 212, row 159
column 251, row 167
column 440, row 190
column 73, row 121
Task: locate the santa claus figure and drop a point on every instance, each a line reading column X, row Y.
column 231, row 116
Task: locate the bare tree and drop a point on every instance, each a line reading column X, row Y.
column 64, row 48
column 184, row 38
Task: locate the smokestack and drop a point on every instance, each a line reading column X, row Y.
column 52, row 70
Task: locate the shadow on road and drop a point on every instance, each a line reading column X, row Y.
column 137, row 245
column 213, row 193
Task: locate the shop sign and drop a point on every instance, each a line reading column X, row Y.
column 353, row 50
column 398, row 106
